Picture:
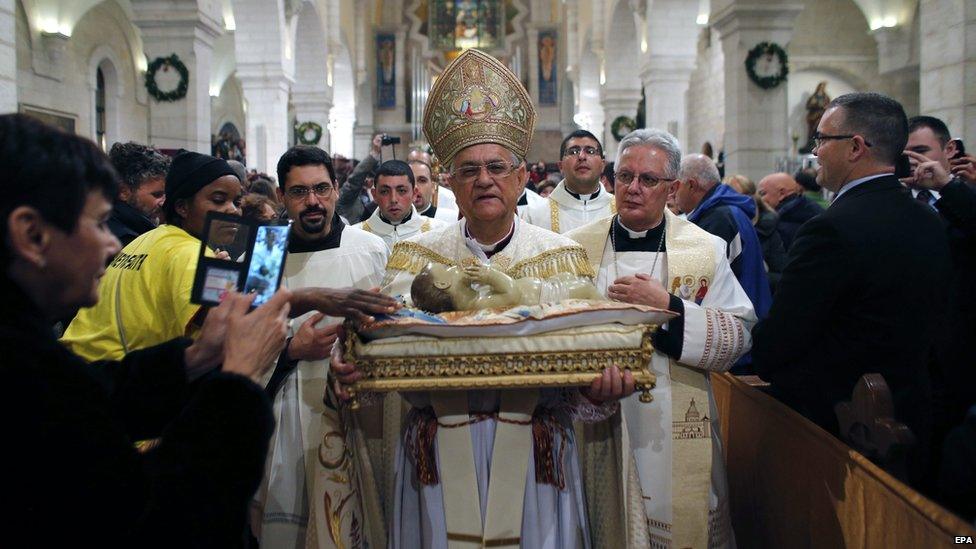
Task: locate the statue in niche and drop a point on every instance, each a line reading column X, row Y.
column 439, row 288
column 816, row 106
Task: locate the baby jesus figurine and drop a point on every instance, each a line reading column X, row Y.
column 439, row 288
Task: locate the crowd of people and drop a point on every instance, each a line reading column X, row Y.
column 157, row 421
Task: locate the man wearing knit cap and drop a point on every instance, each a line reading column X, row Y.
column 486, row 489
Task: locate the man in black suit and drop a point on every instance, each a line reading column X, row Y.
column 785, row 195
column 865, row 285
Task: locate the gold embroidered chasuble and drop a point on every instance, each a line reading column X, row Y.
column 716, row 333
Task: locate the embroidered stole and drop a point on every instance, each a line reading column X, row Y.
column 689, row 254
column 554, row 214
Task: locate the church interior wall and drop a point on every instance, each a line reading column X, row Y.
column 228, row 106
column 706, row 95
column 68, row 88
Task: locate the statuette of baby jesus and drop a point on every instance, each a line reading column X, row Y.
column 439, row 288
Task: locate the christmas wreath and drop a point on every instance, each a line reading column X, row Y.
column 767, row 49
column 302, row 133
column 166, row 63
column 621, row 126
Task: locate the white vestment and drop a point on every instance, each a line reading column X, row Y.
column 391, row 234
column 563, row 212
column 527, row 202
column 282, row 500
column 545, row 516
column 445, row 198
column 715, row 333
column 441, row 213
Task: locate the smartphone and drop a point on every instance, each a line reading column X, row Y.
column 960, row 148
column 903, row 167
column 238, row 254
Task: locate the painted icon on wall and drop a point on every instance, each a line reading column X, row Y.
column 548, row 65
column 385, row 70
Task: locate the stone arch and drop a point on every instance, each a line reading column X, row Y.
column 311, row 95
column 105, row 59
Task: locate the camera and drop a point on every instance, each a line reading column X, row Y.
column 387, row 140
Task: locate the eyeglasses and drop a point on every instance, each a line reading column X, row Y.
column 646, row 180
column 470, row 172
column 590, row 151
column 320, row 190
column 819, row 138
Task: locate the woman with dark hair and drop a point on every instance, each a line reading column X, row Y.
column 74, row 475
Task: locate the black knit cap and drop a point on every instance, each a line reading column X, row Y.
column 188, row 173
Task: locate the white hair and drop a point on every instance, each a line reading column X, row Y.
column 655, row 138
column 701, row 168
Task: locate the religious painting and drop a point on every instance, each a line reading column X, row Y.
column 548, row 73
column 463, row 24
column 386, row 71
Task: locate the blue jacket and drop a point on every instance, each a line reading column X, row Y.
column 728, row 214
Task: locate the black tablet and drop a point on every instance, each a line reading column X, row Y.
column 240, row 254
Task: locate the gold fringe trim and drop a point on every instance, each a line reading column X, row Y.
column 567, row 259
column 412, row 257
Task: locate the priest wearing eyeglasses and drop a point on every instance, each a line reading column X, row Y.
column 579, row 198
column 322, row 253
column 647, row 255
column 477, row 482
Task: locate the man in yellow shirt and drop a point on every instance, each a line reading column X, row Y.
column 146, row 288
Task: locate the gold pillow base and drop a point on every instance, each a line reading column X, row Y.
column 521, row 370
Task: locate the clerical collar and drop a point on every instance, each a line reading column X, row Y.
column 402, row 221
column 490, row 249
column 298, row 245
column 429, row 211
column 626, row 240
column 584, row 197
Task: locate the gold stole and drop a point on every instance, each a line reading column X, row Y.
column 554, row 213
column 689, row 254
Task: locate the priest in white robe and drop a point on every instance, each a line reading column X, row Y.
column 323, row 253
column 424, row 197
column 646, row 255
column 395, row 217
column 529, row 200
column 485, row 487
column 579, row 198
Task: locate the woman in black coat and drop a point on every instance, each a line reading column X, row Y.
column 74, row 477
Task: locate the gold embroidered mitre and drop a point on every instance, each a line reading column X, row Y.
column 478, row 100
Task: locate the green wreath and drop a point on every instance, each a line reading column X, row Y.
column 165, row 63
column 617, row 125
column 301, row 131
column 767, row 48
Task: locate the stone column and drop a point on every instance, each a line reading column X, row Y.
column 266, row 91
column 756, row 120
column 671, row 44
column 947, row 64
column 183, row 28
column 616, row 103
column 8, row 58
column 314, row 108
column 665, row 80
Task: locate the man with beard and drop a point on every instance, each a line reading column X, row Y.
column 579, row 198
column 139, row 203
column 395, row 217
column 323, row 252
column 423, row 198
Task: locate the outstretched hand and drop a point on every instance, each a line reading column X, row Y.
column 351, row 303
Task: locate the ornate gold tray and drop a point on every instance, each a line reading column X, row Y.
column 568, row 345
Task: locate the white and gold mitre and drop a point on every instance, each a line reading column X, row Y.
column 478, row 100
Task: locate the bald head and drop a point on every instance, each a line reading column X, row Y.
column 777, row 186
column 697, row 175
